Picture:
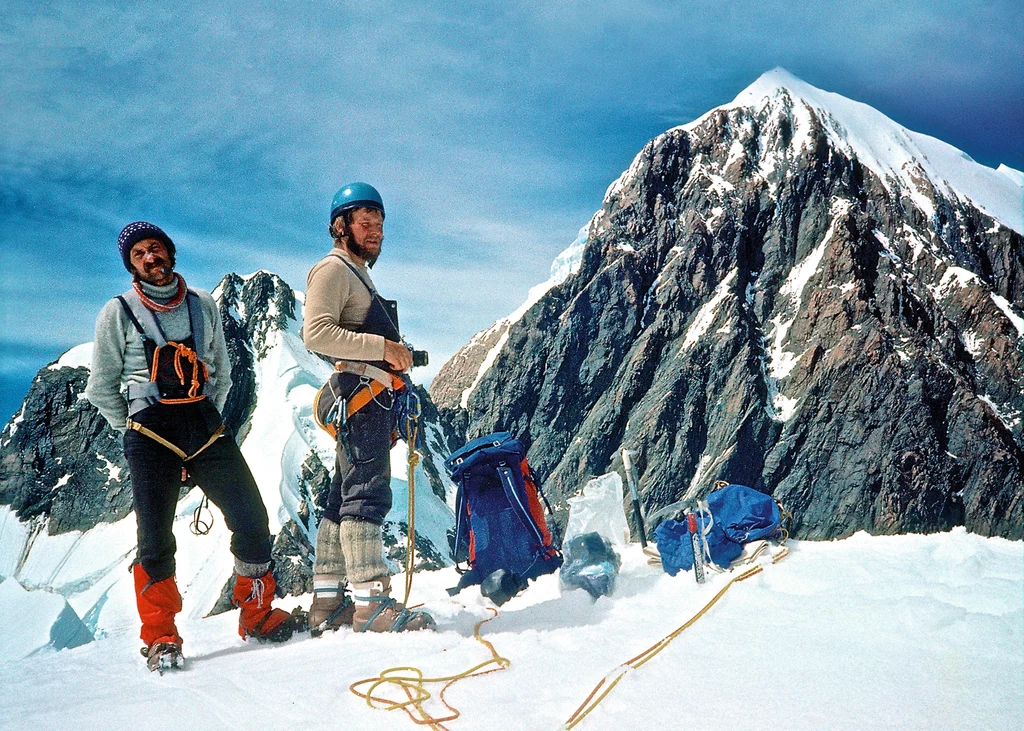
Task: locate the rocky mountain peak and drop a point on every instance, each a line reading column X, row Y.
column 260, row 303
column 791, row 292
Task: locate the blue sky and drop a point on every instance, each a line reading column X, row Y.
column 491, row 129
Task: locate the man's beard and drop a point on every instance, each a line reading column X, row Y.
column 362, row 252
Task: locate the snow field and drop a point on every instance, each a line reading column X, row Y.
column 870, row 632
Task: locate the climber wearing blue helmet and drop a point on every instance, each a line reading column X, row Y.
column 346, row 202
column 350, row 323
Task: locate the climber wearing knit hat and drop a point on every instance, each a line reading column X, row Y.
column 161, row 375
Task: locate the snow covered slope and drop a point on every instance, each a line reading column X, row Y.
column 899, row 156
column 904, row 632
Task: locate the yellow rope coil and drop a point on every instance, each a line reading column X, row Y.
column 605, row 686
column 410, row 682
column 412, row 427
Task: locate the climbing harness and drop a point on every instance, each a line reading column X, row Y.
column 185, row 457
column 178, row 370
column 410, row 682
column 608, row 682
column 177, row 375
column 373, row 382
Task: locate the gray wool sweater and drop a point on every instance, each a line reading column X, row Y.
column 119, row 355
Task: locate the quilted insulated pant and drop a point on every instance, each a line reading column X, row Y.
column 361, row 488
column 220, row 470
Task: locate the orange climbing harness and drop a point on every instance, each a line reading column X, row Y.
column 327, row 403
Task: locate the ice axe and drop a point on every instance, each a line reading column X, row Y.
column 631, row 479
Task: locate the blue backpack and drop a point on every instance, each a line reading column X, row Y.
column 499, row 521
column 733, row 515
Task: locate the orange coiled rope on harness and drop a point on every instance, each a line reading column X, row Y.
column 181, row 352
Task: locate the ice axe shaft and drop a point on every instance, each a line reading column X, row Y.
column 698, row 548
column 631, row 479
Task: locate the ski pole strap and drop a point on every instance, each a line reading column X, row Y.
column 132, row 424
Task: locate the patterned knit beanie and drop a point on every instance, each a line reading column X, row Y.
column 138, row 231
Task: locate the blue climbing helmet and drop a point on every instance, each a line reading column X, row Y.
column 356, row 195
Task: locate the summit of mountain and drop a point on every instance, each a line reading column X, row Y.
column 792, row 292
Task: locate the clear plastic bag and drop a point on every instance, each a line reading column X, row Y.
column 594, row 537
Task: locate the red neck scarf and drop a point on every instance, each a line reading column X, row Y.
column 155, row 306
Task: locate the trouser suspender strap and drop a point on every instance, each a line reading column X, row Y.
column 160, row 440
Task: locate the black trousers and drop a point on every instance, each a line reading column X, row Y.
column 361, row 488
column 220, row 470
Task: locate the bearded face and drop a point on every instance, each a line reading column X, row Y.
column 151, row 262
column 362, row 233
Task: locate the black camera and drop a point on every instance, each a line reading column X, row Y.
column 420, row 358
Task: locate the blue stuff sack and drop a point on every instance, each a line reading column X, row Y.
column 744, row 514
column 739, row 515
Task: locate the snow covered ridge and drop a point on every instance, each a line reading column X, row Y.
column 900, row 157
column 896, row 154
column 931, row 626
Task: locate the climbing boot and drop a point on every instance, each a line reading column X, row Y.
column 163, row 655
column 331, row 608
column 376, row 611
column 258, row 619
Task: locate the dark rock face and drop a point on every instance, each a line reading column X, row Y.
column 780, row 316
column 293, row 561
column 242, row 397
column 61, row 462
column 439, row 441
column 396, row 544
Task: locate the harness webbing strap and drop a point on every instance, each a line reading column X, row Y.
column 132, row 424
column 144, row 320
column 365, row 369
column 374, row 294
column 195, row 320
column 368, row 393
